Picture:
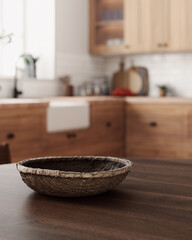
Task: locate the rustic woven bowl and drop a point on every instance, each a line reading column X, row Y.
column 73, row 176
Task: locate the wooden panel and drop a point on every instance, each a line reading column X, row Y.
column 177, row 23
column 149, row 26
column 155, row 130
column 131, row 24
column 188, row 23
column 104, row 137
column 22, row 129
column 158, row 22
column 144, row 26
column 23, row 136
column 102, row 30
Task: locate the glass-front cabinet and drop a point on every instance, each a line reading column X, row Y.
column 107, row 26
column 140, row 26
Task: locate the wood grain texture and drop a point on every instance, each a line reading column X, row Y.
column 153, row 203
column 22, row 129
column 103, row 138
column 149, row 26
column 156, row 131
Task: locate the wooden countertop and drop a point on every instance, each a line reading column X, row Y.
column 153, row 203
column 43, row 102
column 22, row 103
column 139, row 100
column 158, row 100
column 89, row 99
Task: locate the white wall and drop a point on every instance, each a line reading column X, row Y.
column 40, row 35
column 72, row 42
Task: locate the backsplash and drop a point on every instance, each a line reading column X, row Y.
column 175, row 70
column 32, row 88
column 81, row 67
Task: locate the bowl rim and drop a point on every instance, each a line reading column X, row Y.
column 70, row 174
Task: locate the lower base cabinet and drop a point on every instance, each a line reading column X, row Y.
column 22, row 129
column 118, row 128
column 158, row 131
column 103, row 138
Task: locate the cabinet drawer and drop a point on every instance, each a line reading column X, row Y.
column 107, row 120
column 155, row 121
column 23, row 136
column 19, row 124
column 155, row 130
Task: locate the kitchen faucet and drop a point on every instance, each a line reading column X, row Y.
column 29, row 72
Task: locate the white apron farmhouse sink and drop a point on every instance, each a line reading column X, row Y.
column 63, row 116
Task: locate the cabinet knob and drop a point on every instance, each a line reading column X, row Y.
column 153, row 124
column 160, row 45
column 108, row 124
column 165, row 45
column 10, row 135
column 71, row 135
column 127, row 46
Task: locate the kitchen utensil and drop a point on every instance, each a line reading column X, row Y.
column 137, row 81
column 119, row 78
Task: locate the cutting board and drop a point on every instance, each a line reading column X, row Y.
column 137, row 80
column 120, row 77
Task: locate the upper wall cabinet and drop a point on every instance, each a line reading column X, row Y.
column 140, row 26
column 107, row 26
column 185, row 24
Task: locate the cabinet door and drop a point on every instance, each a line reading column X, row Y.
column 107, row 128
column 176, row 25
column 23, row 135
column 159, row 24
column 103, row 137
column 144, row 25
column 155, row 130
column 107, row 26
column 131, row 23
column 186, row 23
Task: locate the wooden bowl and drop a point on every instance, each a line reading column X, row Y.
column 73, row 176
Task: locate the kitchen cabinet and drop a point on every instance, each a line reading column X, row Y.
column 22, row 129
column 107, row 26
column 146, row 26
column 123, row 127
column 159, row 10
column 104, row 137
column 156, row 130
column 185, row 22
column 167, row 25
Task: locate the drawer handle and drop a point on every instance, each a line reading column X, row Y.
column 71, row 135
column 153, row 124
column 108, row 124
column 10, row 135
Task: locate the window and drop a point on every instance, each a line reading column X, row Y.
column 11, row 22
column 32, row 25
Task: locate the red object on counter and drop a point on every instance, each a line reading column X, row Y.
column 122, row 92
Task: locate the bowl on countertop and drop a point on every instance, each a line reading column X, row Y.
column 73, row 176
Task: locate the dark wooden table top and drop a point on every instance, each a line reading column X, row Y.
column 153, row 203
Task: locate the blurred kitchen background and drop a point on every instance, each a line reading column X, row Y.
column 87, row 40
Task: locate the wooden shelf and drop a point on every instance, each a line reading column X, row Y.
column 110, row 23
